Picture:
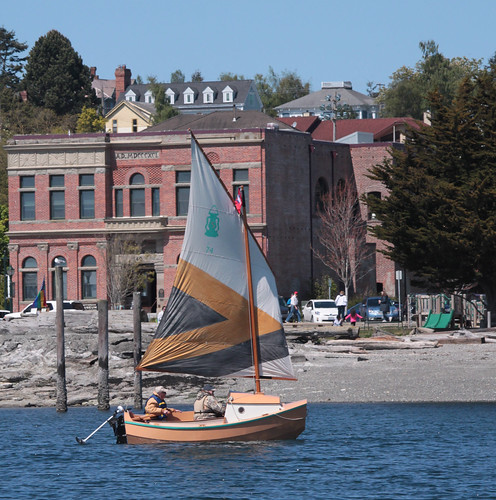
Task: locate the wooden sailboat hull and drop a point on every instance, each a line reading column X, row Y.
column 287, row 423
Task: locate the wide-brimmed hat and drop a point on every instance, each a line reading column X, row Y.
column 160, row 389
column 208, row 387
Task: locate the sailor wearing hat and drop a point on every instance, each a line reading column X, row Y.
column 206, row 406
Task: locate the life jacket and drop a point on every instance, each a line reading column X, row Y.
column 161, row 404
column 200, row 408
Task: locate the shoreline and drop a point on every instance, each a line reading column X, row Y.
column 329, row 372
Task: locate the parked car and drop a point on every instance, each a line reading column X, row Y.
column 370, row 310
column 29, row 310
column 319, row 310
column 284, row 308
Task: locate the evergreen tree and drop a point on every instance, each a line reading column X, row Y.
column 56, row 77
column 197, row 76
column 440, row 214
column 11, row 63
column 177, row 76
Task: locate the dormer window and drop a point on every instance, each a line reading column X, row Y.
column 228, row 94
column 208, row 96
column 130, row 96
column 189, row 96
column 171, row 95
column 149, row 97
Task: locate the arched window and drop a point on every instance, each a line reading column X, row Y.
column 29, row 279
column 321, row 194
column 137, row 196
column 88, row 277
column 59, row 261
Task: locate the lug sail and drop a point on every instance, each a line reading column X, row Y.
column 205, row 329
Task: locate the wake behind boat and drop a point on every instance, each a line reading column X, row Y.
column 222, row 320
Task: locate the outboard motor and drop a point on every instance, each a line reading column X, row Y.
column 117, row 423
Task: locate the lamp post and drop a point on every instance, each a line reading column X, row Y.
column 10, row 273
column 329, row 111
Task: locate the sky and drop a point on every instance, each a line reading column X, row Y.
column 320, row 40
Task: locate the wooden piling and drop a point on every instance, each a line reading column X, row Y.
column 138, row 396
column 61, row 404
column 103, row 356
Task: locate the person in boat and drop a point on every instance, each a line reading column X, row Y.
column 206, row 406
column 156, row 407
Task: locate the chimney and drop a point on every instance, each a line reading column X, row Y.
column 122, row 80
column 93, row 74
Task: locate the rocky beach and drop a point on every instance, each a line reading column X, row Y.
column 423, row 367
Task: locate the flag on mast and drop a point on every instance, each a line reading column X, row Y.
column 40, row 301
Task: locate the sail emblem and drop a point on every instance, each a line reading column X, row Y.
column 212, row 224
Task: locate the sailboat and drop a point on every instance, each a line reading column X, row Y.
column 222, row 320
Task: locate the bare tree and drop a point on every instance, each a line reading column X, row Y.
column 342, row 236
column 124, row 268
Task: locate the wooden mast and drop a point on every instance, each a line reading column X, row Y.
column 253, row 325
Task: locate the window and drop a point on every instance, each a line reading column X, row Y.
column 135, row 125
column 183, row 178
column 155, row 201
column 114, row 126
column 189, row 96
column 27, row 197
column 29, row 279
column 57, row 197
column 227, row 94
column 86, row 196
column 137, row 196
column 208, row 95
column 240, row 178
column 373, row 194
column 171, row 95
column 88, row 277
column 149, row 97
column 321, row 194
column 59, row 261
column 119, row 203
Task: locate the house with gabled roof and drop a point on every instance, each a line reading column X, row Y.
column 129, row 117
column 200, row 97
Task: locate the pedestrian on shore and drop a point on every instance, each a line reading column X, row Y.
column 294, row 308
column 341, row 302
column 384, row 305
column 161, row 313
column 353, row 317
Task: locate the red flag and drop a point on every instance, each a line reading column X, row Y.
column 239, row 200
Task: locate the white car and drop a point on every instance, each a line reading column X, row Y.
column 51, row 306
column 319, row 310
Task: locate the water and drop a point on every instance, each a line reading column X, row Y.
column 348, row 451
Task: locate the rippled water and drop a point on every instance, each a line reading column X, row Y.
column 382, row 451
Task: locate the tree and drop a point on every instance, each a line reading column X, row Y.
column 177, row 76
column 230, row 77
column 11, row 63
column 278, row 89
column 56, row 77
column 90, row 121
column 440, row 215
column 407, row 94
column 343, row 248
column 163, row 108
column 197, row 76
column 124, row 269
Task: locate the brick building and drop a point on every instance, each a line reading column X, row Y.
column 68, row 195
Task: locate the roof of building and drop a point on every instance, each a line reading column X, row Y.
column 219, row 120
column 240, row 88
column 323, row 130
column 143, row 109
column 316, row 99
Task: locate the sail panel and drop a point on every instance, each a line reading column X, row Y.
column 229, row 361
column 206, row 323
